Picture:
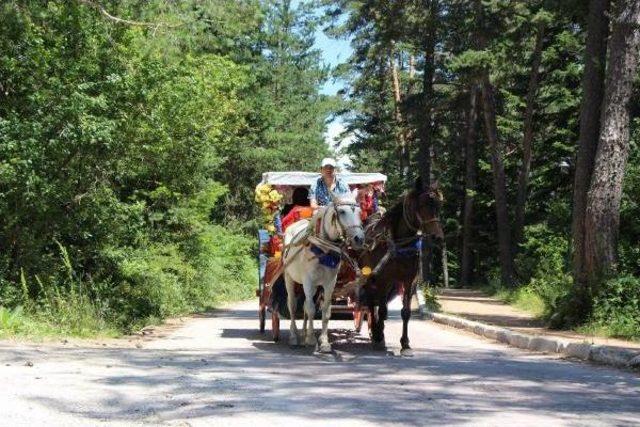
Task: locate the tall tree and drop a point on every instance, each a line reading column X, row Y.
column 471, row 165
column 499, row 182
column 426, row 128
column 527, row 141
column 602, row 218
column 496, row 150
column 403, row 150
column 592, row 95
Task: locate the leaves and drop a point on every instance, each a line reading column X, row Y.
column 123, row 142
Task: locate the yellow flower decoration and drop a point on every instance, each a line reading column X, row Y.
column 269, row 200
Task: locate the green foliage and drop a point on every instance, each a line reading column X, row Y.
column 630, row 209
column 431, row 299
column 127, row 151
column 525, row 298
column 616, row 310
column 542, row 265
column 12, row 321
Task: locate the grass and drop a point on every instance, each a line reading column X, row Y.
column 617, row 328
column 31, row 325
column 527, row 300
column 524, row 299
column 153, row 283
column 431, row 299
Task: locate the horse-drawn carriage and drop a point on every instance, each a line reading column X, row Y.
column 338, row 261
column 283, row 197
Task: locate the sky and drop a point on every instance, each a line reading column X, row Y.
column 334, row 52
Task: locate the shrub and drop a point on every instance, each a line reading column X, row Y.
column 616, row 308
column 12, row 321
column 542, row 266
column 431, row 299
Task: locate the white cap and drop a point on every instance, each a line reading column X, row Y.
column 328, row 161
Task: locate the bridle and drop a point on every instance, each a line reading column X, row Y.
column 335, row 220
column 419, row 220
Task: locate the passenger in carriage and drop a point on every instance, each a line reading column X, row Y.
column 367, row 197
column 326, row 184
column 299, row 208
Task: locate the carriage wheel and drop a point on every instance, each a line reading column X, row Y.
column 275, row 324
column 262, row 315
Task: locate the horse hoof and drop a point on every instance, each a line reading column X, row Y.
column 407, row 352
column 293, row 341
column 311, row 342
column 324, row 348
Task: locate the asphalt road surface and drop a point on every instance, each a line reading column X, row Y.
column 218, row 370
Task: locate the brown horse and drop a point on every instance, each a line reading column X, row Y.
column 398, row 246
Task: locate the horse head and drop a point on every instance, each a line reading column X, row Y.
column 427, row 203
column 346, row 220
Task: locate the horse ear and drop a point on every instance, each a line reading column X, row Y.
column 418, row 185
column 436, row 192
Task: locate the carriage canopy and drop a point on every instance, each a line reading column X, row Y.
column 306, row 179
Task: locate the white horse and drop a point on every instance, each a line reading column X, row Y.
column 312, row 258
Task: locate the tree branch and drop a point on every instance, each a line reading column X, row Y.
column 105, row 13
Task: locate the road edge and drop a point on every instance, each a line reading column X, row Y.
column 601, row 354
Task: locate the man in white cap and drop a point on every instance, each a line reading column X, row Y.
column 327, row 183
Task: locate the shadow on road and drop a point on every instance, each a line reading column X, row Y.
column 249, row 374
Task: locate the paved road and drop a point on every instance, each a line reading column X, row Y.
column 219, row 371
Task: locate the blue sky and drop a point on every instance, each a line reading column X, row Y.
column 334, row 52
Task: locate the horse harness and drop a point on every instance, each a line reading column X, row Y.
column 405, row 247
column 328, row 252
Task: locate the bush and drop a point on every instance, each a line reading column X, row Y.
column 431, row 299
column 542, row 270
column 616, row 308
column 542, row 265
column 12, row 321
column 144, row 285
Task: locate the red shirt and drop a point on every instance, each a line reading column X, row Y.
column 296, row 214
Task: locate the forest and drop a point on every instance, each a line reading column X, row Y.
column 133, row 133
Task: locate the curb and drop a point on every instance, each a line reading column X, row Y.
column 602, row 354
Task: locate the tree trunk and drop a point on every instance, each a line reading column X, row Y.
column 445, row 265
column 592, row 94
column 471, row 163
column 499, row 182
column 527, row 141
column 602, row 218
column 409, row 135
column 400, row 126
column 424, row 149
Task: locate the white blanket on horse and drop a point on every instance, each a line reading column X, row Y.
column 296, row 232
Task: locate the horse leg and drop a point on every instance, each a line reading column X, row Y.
column 325, row 346
column 292, row 304
column 377, row 332
column 406, row 315
column 382, row 314
column 310, row 313
column 304, row 321
column 372, row 320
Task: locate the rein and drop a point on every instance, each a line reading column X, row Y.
column 321, row 241
column 406, row 246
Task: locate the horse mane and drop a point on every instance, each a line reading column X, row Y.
column 394, row 213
